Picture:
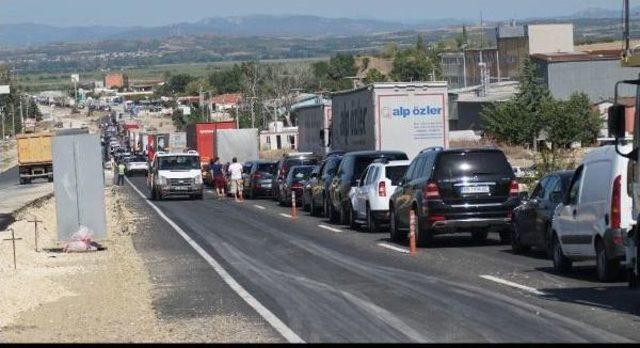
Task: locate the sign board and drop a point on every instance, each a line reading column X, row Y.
column 5, row 89
column 75, row 78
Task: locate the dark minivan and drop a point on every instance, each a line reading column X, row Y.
column 453, row 191
column 351, row 168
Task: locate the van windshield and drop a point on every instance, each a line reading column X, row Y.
column 468, row 164
column 179, row 163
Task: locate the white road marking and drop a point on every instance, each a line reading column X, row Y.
column 513, row 285
column 336, row 230
column 271, row 318
column 260, row 207
column 394, row 248
column 287, row 216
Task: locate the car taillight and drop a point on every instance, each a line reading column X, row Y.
column 297, row 185
column 514, row 189
column 382, row 189
column 615, row 203
column 431, row 191
column 257, row 176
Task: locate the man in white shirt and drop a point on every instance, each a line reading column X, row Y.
column 235, row 171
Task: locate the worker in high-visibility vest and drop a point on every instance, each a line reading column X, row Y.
column 121, row 171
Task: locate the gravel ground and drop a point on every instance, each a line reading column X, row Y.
column 8, row 155
column 94, row 297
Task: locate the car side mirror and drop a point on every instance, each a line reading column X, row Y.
column 617, row 121
column 556, row 197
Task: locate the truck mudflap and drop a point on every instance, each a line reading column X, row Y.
column 632, row 244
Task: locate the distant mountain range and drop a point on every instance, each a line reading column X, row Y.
column 292, row 26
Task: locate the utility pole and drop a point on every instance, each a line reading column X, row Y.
column 13, row 120
column 627, row 9
column 2, row 111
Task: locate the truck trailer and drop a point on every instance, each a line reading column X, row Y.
column 314, row 125
column 408, row 117
column 201, row 137
column 35, row 158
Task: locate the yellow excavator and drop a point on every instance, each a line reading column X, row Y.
column 617, row 128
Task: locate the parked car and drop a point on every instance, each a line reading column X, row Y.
column 260, row 179
column 246, row 169
column 532, row 219
column 320, row 184
column 370, row 202
column 307, row 189
column 136, row 164
column 595, row 217
column 285, row 164
column 456, row 191
column 351, row 168
column 295, row 181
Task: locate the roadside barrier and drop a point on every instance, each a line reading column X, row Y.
column 412, row 232
column 294, row 209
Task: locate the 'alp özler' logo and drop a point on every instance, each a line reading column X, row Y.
column 417, row 111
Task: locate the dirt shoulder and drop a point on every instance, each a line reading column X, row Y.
column 105, row 296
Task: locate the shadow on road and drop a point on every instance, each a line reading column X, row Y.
column 617, row 298
column 450, row 241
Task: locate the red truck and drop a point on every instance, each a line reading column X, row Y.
column 202, row 138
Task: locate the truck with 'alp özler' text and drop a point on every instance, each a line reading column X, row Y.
column 407, row 117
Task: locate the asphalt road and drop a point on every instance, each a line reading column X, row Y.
column 9, row 178
column 338, row 285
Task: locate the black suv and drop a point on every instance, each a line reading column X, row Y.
column 452, row 191
column 284, row 165
column 351, row 168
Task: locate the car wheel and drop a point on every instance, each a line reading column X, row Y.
column 424, row 237
column 152, row 195
column 505, row 237
column 561, row 263
column 50, row 178
column 394, row 228
column 252, row 194
column 516, row 245
column 480, row 236
column 372, row 223
column 608, row 270
column 353, row 224
column 312, row 209
column 344, row 215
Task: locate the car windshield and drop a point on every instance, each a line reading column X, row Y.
column 396, row 173
column 179, row 163
column 138, row 159
column 468, row 164
column 267, row 167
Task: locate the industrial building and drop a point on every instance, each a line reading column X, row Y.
column 515, row 43
column 116, row 80
column 466, row 104
column 594, row 73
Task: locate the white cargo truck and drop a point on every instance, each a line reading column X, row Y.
column 400, row 116
column 314, row 124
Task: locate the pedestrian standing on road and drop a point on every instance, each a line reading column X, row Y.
column 217, row 173
column 235, row 169
column 121, row 170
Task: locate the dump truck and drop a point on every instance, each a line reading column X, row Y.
column 35, row 159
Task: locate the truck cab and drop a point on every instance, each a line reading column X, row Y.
column 175, row 174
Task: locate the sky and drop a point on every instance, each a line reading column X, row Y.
column 161, row 12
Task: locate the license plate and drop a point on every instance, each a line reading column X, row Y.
column 475, row 189
column 181, row 189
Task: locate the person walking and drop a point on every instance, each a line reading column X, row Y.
column 235, row 170
column 121, row 171
column 219, row 181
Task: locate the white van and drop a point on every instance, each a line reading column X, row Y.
column 596, row 215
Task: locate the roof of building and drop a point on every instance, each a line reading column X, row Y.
column 563, row 57
column 496, row 92
column 232, row 99
column 511, row 31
